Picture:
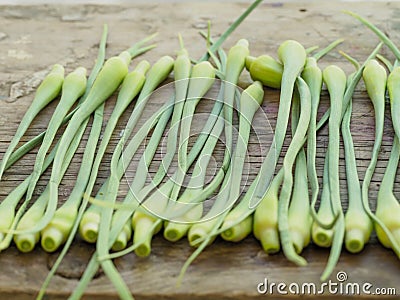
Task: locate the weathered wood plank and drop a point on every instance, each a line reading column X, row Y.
column 224, row 271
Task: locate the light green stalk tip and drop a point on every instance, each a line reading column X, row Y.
column 52, row 83
column 143, row 250
column 166, row 61
column 358, row 228
column 266, row 70
column 237, row 55
column 181, row 43
column 121, row 242
column 158, row 72
column 265, row 225
column 81, row 71
column 311, row 62
column 183, row 52
column 292, row 51
column 203, row 69
column 123, row 237
column 238, row 232
column 196, row 235
column 321, row 237
column 125, row 57
column 269, row 238
column 334, row 76
column 298, row 240
column 142, row 67
column 354, row 240
column 249, row 61
column 392, row 81
column 243, row 43
column 89, row 227
column 57, row 70
column 300, row 223
column 375, row 78
column 26, row 242
column 90, row 232
column 175, row 231
column 389, row 216
column 52, row 239
column 256, row 92
column 143, row 228
column 236, row 61
column 172, row 235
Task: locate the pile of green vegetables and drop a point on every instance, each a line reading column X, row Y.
column 279, row 210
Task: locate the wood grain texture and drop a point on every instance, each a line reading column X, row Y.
column 32, row 38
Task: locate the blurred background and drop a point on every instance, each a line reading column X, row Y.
column 24, row 2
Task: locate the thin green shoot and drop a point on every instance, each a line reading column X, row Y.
column 47, row 91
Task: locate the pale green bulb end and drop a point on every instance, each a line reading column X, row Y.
column 142, row 67
column 52, row 239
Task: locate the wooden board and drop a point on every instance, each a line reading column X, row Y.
column 32, row 38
